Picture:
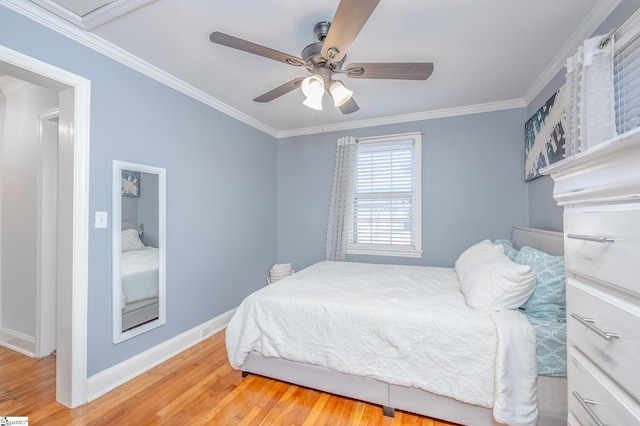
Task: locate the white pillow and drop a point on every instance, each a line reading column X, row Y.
column 498, row 284
column 475, row 255
column 130, row 240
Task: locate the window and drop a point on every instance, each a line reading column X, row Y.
column 385, row 217
column 626, row 75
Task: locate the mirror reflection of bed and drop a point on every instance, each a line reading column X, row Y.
column 140, row 277
column 138, row 286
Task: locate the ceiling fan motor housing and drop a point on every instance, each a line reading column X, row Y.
column 312, row 53
column 321, row 29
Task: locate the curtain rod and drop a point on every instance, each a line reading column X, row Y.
column 606, row 39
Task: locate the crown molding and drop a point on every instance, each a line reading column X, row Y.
column 40, row 15
column 406, row 118
column 595, row 18
column 94, row 18
column 112, row 51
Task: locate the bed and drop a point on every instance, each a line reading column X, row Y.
column 139, row 270
column 470, row 367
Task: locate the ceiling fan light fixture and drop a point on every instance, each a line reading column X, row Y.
column 313, row 86
column 313, row 89
column 313, row 103
column 339, row 93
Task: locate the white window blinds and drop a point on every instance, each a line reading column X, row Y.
column 626, row 77
column 385, row 202
column 626, row 73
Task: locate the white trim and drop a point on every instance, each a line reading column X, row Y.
column 73, row 392
column 81, row 165
column 597, row 15
column 390, row 253
column 406, row 118
column 628, row 30
column 116, row 229
column 26, row 345
column 111, row 378
column 47, row 223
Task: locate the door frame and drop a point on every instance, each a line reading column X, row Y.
column 71, row 312
column 47, row 234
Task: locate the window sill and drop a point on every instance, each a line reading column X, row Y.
column 394, row 253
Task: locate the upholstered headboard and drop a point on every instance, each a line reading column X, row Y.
column 551, row 242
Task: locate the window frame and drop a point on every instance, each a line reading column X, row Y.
column 414, row 251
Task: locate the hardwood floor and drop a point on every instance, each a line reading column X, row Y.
column 195, row 387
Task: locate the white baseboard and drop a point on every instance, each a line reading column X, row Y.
column 111, row 378
column 18, row 342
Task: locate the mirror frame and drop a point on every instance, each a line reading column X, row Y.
column 116, row 218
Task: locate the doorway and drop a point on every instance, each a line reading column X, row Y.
column 28, row 191
column 72, row 222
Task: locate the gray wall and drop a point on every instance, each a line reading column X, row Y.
column 543, row 210
column 221, row 189
column 472, row 186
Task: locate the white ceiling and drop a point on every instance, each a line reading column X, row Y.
column 488, row 55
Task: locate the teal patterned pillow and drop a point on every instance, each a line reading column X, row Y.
column 548, row 300
column 551, row 349
column 509, row 251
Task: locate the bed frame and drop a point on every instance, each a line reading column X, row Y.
column 138, row 313
column 552, row 391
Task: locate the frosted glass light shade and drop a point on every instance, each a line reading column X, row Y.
column 314, row 102
column 313, row 89
column 313, row 86
column 339, row 93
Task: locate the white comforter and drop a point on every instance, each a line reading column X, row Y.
column 140, row 275
column 403, row 325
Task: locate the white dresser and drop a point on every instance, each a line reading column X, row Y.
column 600, row 192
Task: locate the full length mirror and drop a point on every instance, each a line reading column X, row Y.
column 139, row 276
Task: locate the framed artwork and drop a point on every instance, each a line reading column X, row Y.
column 544, row 139
column 130, row 183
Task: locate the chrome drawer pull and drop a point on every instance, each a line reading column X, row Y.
column 588, row 322
column 585, row 404
column 591, row 238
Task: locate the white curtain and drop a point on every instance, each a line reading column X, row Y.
column 589, row 96
column 341, row 195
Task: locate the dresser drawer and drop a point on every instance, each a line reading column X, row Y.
column 593, row 395
column 604, row 243
column 617, row 356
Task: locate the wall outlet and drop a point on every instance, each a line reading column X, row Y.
column 205, row 331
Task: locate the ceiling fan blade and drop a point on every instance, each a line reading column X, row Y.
column 347, row 23
column 349, row 106
column 247, row 46
column 279, row 91
column 399, row 70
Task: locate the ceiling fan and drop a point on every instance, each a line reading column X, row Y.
column 325, row 58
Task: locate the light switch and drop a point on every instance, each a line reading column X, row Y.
column 101, row 219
